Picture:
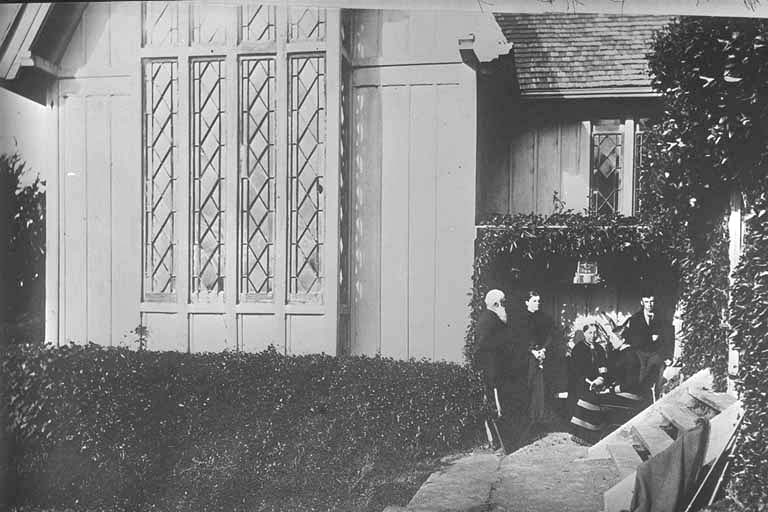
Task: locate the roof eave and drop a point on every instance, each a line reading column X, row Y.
column 590, row 92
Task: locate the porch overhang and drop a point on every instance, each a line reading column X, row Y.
column 590, row 93
column 33, row 38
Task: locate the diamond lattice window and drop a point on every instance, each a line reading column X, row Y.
column 607, row 155
column 306, row 135
column 160, row 98
column 257, row 176
column 344, row 185
column 207, row 168
column 306, row 24
column 213, row 24
column 160, row 23
column 257, row 23
column 243, row 220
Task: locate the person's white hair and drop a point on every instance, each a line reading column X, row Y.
column 493, row 297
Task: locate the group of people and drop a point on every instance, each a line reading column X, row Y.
column 613, row 371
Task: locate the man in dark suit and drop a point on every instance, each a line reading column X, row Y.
column 491, row 336
column 647, row 334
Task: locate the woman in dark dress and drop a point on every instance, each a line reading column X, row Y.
column 626, row 394
column 588, row 375
column 537, row 330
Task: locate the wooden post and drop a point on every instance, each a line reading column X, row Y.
column 735, row 234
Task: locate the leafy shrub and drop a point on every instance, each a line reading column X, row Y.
column 546, row 248
column 749, row 318
column 711, row 142
column 22, row 210
column 107, row 427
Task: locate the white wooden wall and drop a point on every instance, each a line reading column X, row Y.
column 95, row 214
column 99, row 214
column 534, row 157
column 413, row 179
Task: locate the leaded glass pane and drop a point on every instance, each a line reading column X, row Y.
column 160, row 108
column 306, row 157
column 212, row 23
column 344, row 187
column 607, row 155
column 258, row 23
column 638, row 165
column 160, row 23
column 207, row 176
column 306, row 24
column 257, row 176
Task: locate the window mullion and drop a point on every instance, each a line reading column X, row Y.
column 281, row 176
column 231, row 210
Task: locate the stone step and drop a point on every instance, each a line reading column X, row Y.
column 619, row 497
column 703, row 378
column 679, row 415
column 651, row 435
column 717, row 401
column 626, row 458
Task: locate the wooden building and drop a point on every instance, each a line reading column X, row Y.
column 233, row 175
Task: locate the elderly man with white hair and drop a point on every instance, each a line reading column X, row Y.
column 491, row 337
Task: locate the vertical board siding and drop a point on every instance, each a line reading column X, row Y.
column 548, row 167
column 395, row 101
column 98, row 222
column 423, row 237
column 105, row 42
column 97, row 35
column 126, row 216
column 454, row 250
column 366, row 212
column 422, row 220
column 574, row 177
column 75, row 214
column 395, row 31
column 522, row 154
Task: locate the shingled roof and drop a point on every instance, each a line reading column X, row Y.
column 572, row 54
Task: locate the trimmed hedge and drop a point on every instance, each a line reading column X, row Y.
column 112, row 428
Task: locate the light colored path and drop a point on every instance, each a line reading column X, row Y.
column 548, row 475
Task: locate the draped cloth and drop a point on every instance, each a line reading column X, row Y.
column 665, row 482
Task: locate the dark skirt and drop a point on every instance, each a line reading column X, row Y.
column 588, row 417
column 537, row 407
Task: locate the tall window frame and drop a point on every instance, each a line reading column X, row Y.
column 244, row 33
column 613, row 146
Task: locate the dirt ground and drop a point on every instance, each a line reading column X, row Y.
column 546, row 476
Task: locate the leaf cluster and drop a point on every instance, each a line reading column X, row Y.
column 111, row 428
column 22, row 213
column 711, row 141
column 749, row 320
column 533, row 244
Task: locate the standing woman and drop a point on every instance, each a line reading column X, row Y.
column 588, row 375
column 537, row 329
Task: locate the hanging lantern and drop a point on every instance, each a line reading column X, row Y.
column 586, row 273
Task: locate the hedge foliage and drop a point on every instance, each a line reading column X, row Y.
column 113, row 428
column 711, row 142
column 749, row 318
column 704, row 298
column 540, row 247
column 22, row 214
